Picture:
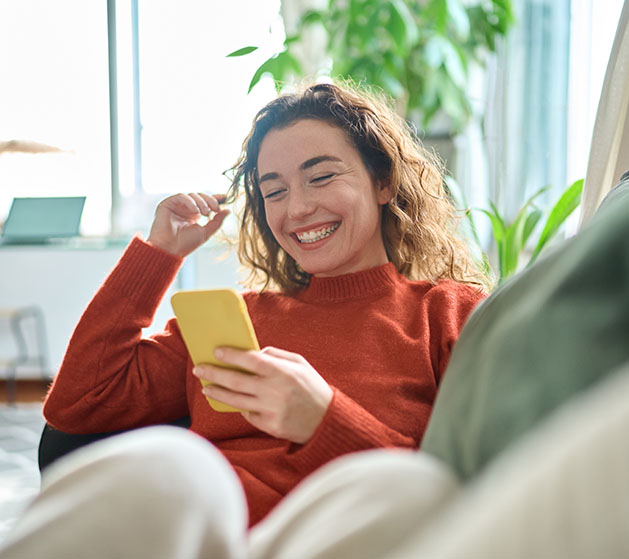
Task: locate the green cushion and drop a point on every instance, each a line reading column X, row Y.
column 552, row 331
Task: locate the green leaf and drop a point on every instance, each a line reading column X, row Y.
column 517, row 234
column 355, row 8
column 396, row 30
column 433, row 53
column 453, row 100
column 499, row 232
column 529, row 226
column 264, row 68
column 495, row 211
column 291, row 39
column 458, row 18
column 279, row 67
column 567, row 203
column 405, row 20
column 437, row 14
column 454, row 64
column 497, row 224
column 241, row 52
column 515, row 240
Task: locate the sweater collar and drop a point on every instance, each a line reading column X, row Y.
column 353, row 285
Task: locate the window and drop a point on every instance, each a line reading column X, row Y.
column 187, row 128
column 54, row 96
column 191, row 108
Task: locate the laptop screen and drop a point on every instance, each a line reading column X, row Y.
column 40, row 219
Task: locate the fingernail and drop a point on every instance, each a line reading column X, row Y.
column 219, row 353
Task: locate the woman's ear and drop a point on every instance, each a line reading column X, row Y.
column 383, row 194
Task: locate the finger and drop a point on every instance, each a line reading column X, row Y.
column 213, row 201
column 283, row 354
column 234, row 399
column 180, row 204
column 202, row 204
column 254, row 361
column 236, row 381
column 215, row 223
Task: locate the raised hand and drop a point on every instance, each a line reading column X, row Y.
column 283, row 394
column 175, row 227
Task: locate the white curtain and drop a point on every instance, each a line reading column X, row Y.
column 525, row 122
column 609, row 151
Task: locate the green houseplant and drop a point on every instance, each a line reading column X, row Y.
column 419, row 52
column 515, row 239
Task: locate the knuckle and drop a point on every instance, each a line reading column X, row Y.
column 237, row 384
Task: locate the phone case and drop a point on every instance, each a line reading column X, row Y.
column 211, row 318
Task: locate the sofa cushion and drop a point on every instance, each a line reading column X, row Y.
column 553, row 330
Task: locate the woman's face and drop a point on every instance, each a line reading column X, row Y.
column 321, row 203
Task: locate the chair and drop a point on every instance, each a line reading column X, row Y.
column 54, row 443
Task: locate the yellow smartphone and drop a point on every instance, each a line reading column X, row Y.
column 211, row 318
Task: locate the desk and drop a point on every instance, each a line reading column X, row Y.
column 61, row 279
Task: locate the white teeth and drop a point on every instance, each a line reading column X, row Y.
column 313, row 236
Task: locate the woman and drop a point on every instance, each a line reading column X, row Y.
column 365, row 289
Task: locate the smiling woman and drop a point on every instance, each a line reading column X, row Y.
column 366, row 288
column 342, row 136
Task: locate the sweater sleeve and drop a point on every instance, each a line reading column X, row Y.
column 111, row 378
column 346, row 427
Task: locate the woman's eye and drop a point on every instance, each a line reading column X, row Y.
column 272, row 194
column 323, row 178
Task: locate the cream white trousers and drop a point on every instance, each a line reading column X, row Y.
column 165, row 493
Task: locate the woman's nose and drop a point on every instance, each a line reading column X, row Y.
column 300, row 204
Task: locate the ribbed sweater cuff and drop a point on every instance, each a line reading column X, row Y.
column 143, row 271
column 346, row 427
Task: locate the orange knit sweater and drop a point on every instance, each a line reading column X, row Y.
column 381, row 341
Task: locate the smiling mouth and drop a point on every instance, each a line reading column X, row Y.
column 316, row 235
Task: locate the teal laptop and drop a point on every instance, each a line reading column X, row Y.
column 42, row 220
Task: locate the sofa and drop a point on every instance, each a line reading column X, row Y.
column 530, row 423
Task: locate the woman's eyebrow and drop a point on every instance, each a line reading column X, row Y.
column 305, row 165
column 316, row 160
column 268, row 177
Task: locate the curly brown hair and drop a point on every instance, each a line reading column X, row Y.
column 419, row 222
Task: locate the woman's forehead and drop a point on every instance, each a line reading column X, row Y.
column 301, row 141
